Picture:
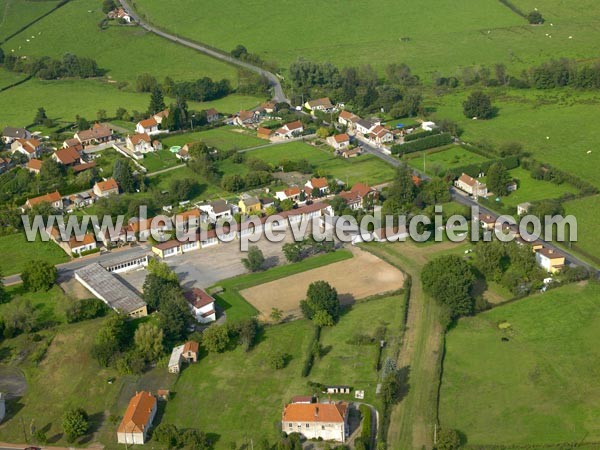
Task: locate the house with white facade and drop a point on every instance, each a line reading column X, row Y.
column 339, row 141
column 11, row 134
column 317, row 184
column 471, row 186
column 327, row 421
column 321, row 104
column 548, row 259
column 218, row 210
column 364, row 127
column 141, row 143
column 32, row 148
column 137, row 419
column 202, row 305
column 380, row 135
column 147, row 126
column 348, row 119
column 290, row 130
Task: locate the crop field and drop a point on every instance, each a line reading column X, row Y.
column 448, row 36
column 555, row 126
column 16, row 252
column 538, row 385
column 251, row 395
column 224, row 138
column 380, row 278
column 438, row 162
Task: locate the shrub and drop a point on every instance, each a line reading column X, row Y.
column 436, row 140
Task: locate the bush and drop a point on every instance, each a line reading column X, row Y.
column 365, row 411
column 278, row 360
column 310, row 358
column 421, row 134
column 85, row 309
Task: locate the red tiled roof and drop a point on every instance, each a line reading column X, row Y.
column 137, row 416
column 50, row 198
column 148, row 123
column 191, row 346
column 339, row 138
column 319, row 183
column 107, row 185
column 315, row 412
column 34, row 164
column 67, row 156
column 142, row 137
column 198, row 298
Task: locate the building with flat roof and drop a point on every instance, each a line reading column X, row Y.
column 108, row 288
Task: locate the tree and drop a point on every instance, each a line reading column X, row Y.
column 323, row 319
column 215, row 338
column 156, row 288
column 148, row 340
column 40, row 116
column 82, row 124
column 4, row 297
column 322, row 132
column 110, row 340
column 448, row 439
column 75, row 423
column 38, row 276
column 449, row 280
column 101, row 115
column 121, row 114
column 233, row 182
column 145, row 83
column 276, row 314
column 255, row 260
column 277, row 360
column 174, row 315
column 166, row 434
column 321, row 296
column 123, row 174
column 535, row 18
column 497, row 179
column 108, row 6
column 478, row 105
column 491, row 259
column 247, row 331
column 157, row 101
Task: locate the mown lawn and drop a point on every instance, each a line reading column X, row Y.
column 16, row 252
column 237, row 307
column 162, row 159
column 250, row 395
column 588, row 223
column 539, row 387
column 223, row 138
column 438, row 162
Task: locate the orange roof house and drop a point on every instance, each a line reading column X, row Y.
column 137, row 419
column 54, row 198
column 327, row 421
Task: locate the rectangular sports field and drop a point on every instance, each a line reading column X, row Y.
column 526, row 372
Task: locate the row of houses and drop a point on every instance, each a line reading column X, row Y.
column 371, row 130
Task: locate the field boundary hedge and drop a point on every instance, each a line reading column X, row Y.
column 34, row 21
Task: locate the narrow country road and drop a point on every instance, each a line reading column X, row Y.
column 278, row 94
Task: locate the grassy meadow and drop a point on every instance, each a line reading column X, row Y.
column 555, row 126
column 588, row 223
column 536, row 388
column 445, row 37
column 16, row 252
column 438, row 161
column 223, row 138
column 18, row 13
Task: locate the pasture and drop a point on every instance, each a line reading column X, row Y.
column 531, row 190
column 588, row 224
column 251, row 395
column 18, row 13
column 539, row 386
column 380, row 278
column 162, row 159
column 448, row 36
column 555, row 126
column 438, row 162
column 16, row 252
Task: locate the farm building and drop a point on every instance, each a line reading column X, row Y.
column 187, row 352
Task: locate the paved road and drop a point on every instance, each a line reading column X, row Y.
column 458, row 197
column 278, row 94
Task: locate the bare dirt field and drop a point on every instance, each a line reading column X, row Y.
column 362, row 276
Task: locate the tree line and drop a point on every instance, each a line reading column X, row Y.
column 47, row 68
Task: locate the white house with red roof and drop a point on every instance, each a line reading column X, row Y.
column 202, row 305
column 327, row 421
column 32, row 148
column 106, row 188
column 67, row 156
column 292, row 193
column 471, row 186
column 320, row 184
column 339, row 141
column 148, row 126
column 290, row 130
column 380, row 135
column 140, row 143
column 137, row 419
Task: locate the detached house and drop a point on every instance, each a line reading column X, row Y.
column 32, row 148
column 148, row 126
column 348, row 119
column 360, row 196
column 264, row 133
column 54, row 199
column 159, row 117
column 187, row 352
column 380, row 135
column 246, row 118
column 317, row 184
column 202, row 305
column 137, row 419
column 218, row 210
column 339, row 141
column 290, row 130
column 212, row 115
column 320, row 104
column 67, row 156
column 11, row 134
column 549, row 260
column 471, row 186
column 250, row 205
column 140, row 143
column 106, row 188
column 292, row 193
column 365, row 126
column 327, row 421
column 98, row 134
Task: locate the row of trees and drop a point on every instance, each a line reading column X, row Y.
column 47, row 68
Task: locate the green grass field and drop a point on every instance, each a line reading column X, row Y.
column 531, row 190
column 223, row 138
column 555, row 126
column 588, row 223
column 237, row 307
column 438, row 162
column 18, row 13
column 365, row 168
column 250, row 395
column 16, row 252
column 445, row 37
column 539, row 387
column 7, row 78
column 162, row 159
